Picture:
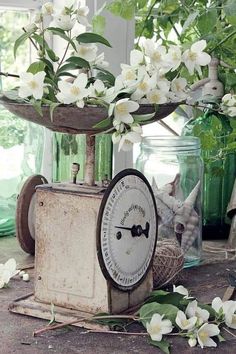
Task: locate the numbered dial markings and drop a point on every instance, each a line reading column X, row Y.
column 128, row 230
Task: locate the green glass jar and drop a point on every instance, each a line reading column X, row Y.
column 175, row 164
column 68, row 148
column 216, row 133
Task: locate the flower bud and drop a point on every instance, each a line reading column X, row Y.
column 47, row 8
column 31, row 27
column 192, row 342
column 25, row 277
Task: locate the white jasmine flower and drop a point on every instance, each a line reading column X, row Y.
column 156, row 52
column 82, row 13
column 100, row 61
column 230, row 319
column 37, row 17
column 193, row 310
column 119, row 126
column 116, row 137
column 87, row 51
column 73, row 92
column 65, row 22
column 231, row 111
column 204, row 334
column 136, row 58
column 181, row 290
column 229, row 99
column 123, row 108
column 163, row 84
column 31, row 85
column 183, row 322
column 99, row 90
column 194, row 57
column 156, row 96
column 31, row 27
column 128, row 74
column 135, row 127
column 224, row 307
column 157, row 327
column 192, row 342
column 47, row 8
column 178, row 87
column 127, row 140
column 145, row 85
column 173, row 58
column 7, row 271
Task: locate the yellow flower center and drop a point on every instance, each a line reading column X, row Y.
column 192, row 55
column 33, row 84
column 75, row 91
column 175, row 56
column 155, row 97
column 156, row 56
column 83, row 50
column 203, row 335
column 156, row 329
column 129, row 75
column 184, row 322
column 143, row 86
column 121, row 108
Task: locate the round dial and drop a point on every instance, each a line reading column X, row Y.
column 127, row 229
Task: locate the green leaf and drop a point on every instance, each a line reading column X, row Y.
column 52, row 55
column 163, row 297
column 221, row 339
column 103, row 123
column 163, row 345
column 79, row 62
column 64, row 68
column 189, row 21
column 59, row 32
column 35, row 67
column 37, row 106
column 89, row 37
column 106, row 77
column 53, row 106
column 124, row 9
column 148, row 310
column 20, row 41
column 230, row 11
column 140, row 118
column 207, row 21
column 99, row 24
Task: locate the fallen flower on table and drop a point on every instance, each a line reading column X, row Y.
column 168, row 314
column 157, row 327
column 7, row 271
column 204, row 334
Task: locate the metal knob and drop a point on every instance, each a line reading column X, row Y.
column 75, row 170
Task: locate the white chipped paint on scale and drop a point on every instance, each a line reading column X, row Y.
column 127, row 257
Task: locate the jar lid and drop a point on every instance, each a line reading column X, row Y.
column 171, row 143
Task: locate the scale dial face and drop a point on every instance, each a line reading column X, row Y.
column 127, row 230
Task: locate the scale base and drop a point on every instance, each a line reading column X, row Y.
column 27, row 305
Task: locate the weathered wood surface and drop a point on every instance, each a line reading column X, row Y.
column 205, row 282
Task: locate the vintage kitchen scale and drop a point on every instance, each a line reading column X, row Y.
column 93, row 245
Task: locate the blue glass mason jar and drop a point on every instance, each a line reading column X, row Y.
column 174, row 167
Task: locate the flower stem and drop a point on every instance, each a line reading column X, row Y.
column 223, row 41
column 90, row 160
column 31, row 40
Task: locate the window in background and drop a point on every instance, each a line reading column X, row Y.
column 21, row 143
